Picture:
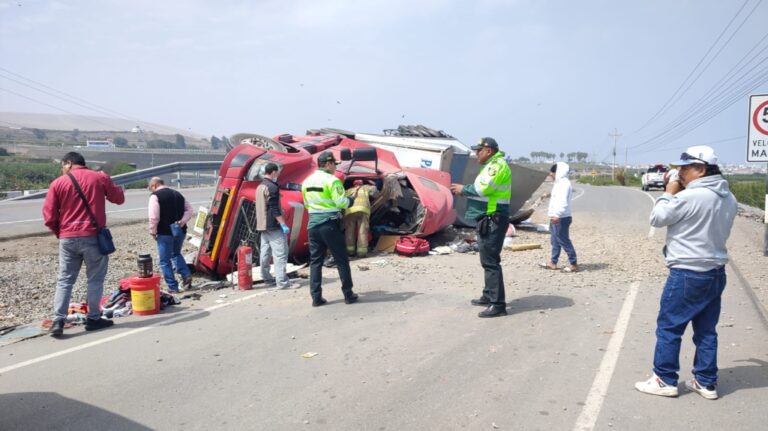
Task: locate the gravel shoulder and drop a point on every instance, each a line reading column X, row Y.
column 606, row 255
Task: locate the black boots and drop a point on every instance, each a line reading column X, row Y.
column 482, row 301
column 96, row 324
column 494, row 311
column 57, row 328
column 318, row 302
column 351, row 298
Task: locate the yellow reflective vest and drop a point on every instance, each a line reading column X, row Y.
column 323, row 196
column 492, row 190
column 361, row 199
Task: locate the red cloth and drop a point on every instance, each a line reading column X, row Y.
column 63, row 210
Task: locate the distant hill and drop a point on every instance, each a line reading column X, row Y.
column 85, row 123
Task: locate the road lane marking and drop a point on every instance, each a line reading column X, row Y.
column 652, row 230
column 108, row 213
column 597, row 392
column 580, row 194
column 124, row 334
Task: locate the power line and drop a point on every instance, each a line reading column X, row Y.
column 666, row 104
column 52, row 106
column 719, row 141
column 94, row 107
column 716, row 101
column 717, row 53
column 680, row 128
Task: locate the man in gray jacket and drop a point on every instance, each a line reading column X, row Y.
column 273, row 231
column 698, row 210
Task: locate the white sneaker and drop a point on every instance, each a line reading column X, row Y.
column 656, row 386
column 705, row 391
column 290, row 285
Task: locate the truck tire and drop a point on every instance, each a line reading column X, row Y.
column 258, row 141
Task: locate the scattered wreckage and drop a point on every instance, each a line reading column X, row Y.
column 412, row 166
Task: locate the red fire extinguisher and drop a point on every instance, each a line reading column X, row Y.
column 245, row 267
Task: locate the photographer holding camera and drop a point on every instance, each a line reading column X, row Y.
column 698, row 211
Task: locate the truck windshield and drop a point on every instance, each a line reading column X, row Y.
column 257, row 169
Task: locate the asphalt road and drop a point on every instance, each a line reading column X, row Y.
column 19, row 218
column 411, row 355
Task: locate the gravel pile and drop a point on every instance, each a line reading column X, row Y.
column 30, row 267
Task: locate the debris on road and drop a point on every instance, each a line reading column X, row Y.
column 309, row 355
column 523, row 247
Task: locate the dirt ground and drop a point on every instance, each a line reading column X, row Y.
column 29, row 266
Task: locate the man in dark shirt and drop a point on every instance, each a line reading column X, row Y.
column 169, row 213
column 272, row 230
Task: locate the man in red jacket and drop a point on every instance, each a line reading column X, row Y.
column 66, row 216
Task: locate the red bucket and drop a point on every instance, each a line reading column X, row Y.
column 145, row 294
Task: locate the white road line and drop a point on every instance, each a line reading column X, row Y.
column 652, row 230
column 123, row 335
column 108, row 213
column 597, row 392
column 580, row 194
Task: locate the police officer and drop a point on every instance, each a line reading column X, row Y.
column 324, row 199
column 488, row 204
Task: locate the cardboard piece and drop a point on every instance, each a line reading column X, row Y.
column 386, row 243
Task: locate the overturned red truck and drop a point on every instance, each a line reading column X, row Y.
column 414, row 201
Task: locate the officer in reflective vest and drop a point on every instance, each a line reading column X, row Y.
column 488, row 204
column 357, row 218
column 324, row 199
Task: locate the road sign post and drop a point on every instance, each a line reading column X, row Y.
column 757, row 145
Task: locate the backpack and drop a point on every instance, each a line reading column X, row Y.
column 411, row 246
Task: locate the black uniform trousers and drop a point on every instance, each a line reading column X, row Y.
column 328, row 236
column 490, row 258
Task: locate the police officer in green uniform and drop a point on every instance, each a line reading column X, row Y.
column 488, row 204
column 324, row 199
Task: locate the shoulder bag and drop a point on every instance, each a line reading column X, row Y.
column 103, row 235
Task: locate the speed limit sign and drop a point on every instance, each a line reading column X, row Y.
column 757, row 139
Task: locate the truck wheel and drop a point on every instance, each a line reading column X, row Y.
column 257, row 141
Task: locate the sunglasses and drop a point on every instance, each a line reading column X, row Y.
column 686, row 156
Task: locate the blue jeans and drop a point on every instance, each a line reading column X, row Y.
column 169, row 249
column 689, row 296
column 560, row 238
column 72, row 253
column 274, row 244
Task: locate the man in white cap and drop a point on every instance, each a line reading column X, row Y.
column 698, row 210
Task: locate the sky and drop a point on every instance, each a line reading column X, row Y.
column 537, row 75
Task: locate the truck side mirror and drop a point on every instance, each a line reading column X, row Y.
column 345, row 154
column 364, row 155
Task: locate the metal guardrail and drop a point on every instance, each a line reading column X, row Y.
column 144, row 174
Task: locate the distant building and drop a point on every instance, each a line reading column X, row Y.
column 105, row 143
column 137, row 129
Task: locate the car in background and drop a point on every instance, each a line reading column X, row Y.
column 654, row 177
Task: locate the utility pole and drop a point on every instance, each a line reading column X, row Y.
column 615, row 135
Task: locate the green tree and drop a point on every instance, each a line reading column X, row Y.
column 159, row 143
column 215, row 142
column 3, row 152
column 39, row 134
column 180, row 142
column 121, row 142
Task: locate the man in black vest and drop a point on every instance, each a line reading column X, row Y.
column 169, row 213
